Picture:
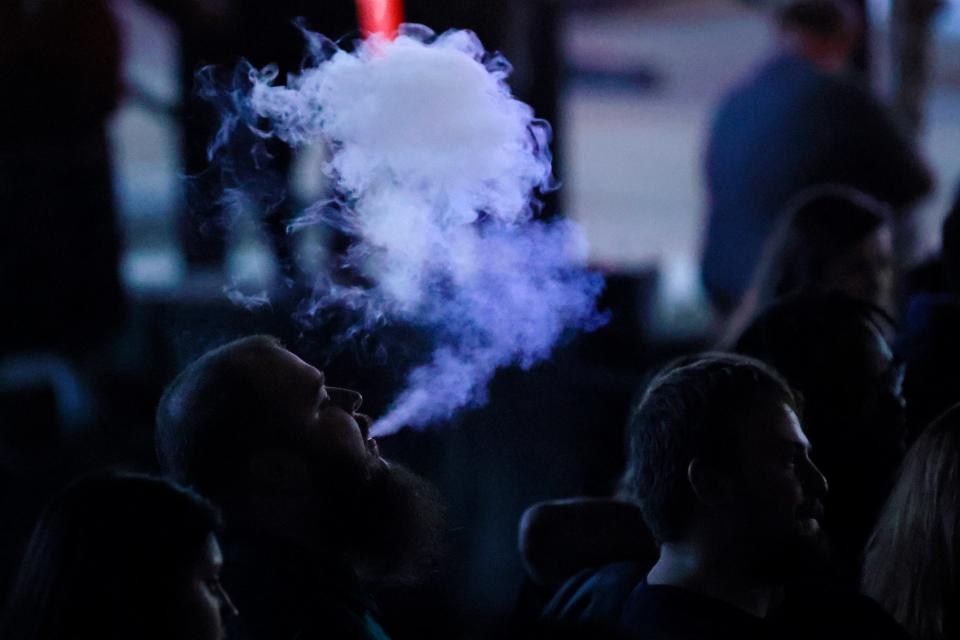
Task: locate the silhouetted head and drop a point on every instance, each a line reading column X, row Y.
column 824, row 31
column 716, row 451
column 229, row 411
column 912, row 565
column 118, row 556
column 258, row 430
column 832, row 238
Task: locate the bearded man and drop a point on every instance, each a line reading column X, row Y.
column 315, row 517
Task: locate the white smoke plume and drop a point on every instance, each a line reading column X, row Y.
column 439, row 168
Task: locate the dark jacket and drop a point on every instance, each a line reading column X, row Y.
column 617, row 597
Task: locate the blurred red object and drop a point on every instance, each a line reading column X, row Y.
column 380, row 16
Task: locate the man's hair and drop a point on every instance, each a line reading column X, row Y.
column 695, row 408
column 823, row 19
column 211, row 416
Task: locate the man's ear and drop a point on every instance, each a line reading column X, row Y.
column 279, row 471
column 710, row 485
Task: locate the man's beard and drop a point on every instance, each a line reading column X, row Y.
column 394, row 525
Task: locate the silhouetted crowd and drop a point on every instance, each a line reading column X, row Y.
column 799, row 478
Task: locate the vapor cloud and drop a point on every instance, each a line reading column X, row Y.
column 438, row 168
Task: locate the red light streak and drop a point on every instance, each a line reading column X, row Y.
column 380, row 16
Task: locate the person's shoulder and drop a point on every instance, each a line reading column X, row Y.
column 777, row 83
column 781, row 70
column 595, row 596
column 669, row 612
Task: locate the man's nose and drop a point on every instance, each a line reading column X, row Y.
column 227, row 605
column 346, row 399
column 815, row 483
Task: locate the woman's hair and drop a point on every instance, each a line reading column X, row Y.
column 819, row 226
column 104, row 559
column 911, row 563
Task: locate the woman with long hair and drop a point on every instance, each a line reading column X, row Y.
column 912, row 564
column 119, row 555
column 831, row 238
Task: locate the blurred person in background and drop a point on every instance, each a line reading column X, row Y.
column 831, row 238
column 912, row 565
column 316, row 519
column 117, row 556
column 797, row 122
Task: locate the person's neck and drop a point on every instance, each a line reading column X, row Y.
column 715, row 575
column 820, row 56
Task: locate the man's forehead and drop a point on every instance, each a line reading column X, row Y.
column 794, row 430
column 280, row 371
column 776, row 425
column 277, row 358
column 213, row 549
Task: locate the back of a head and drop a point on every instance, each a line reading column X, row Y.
column 104, row 557
column 696, row 407
column 825, row 344
column 822, row 19
column 911, row 566
column 821, row 226
column 208, row 417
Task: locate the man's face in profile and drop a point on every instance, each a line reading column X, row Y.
column 389, row 516
column 320, row 422
column 778, row 489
